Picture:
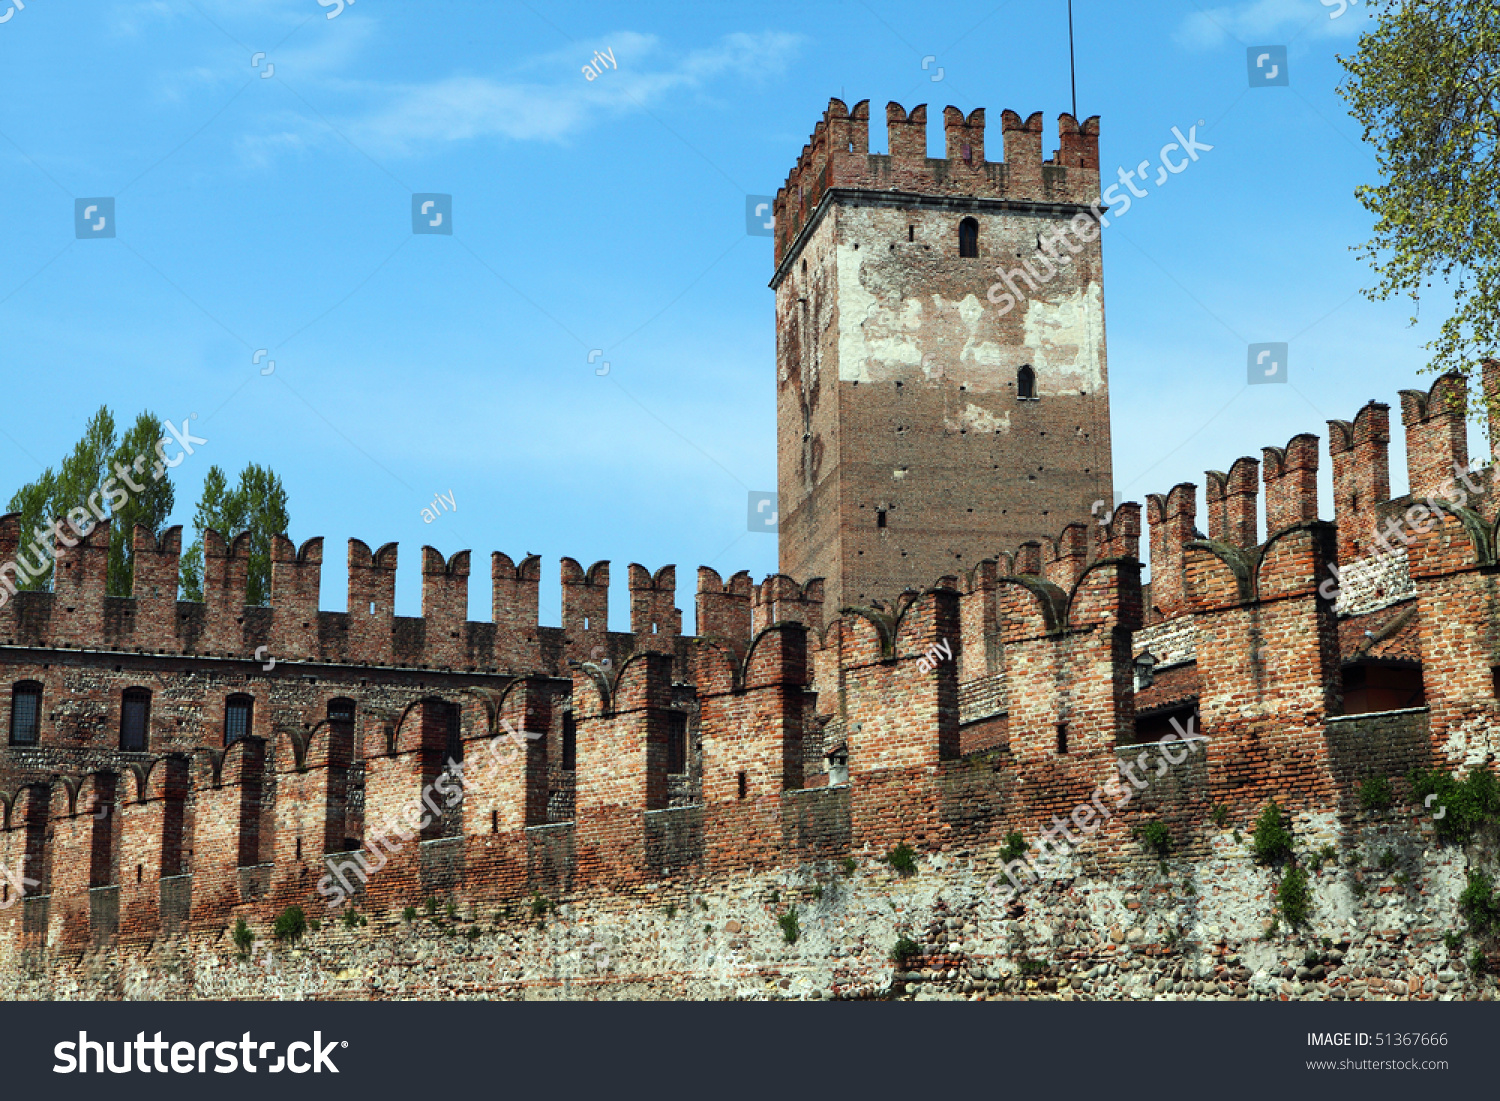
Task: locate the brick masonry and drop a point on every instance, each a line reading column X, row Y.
column 905, row 448
column 683, row 795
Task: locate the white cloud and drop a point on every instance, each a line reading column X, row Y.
column 1255, row 21
column 558, row 100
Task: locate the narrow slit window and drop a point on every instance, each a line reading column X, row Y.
column 880, row 517
column 569, row 742
column 968, row 237
column 135, row 719
column 744, row 785
column 1062, row 739
column 677, row 738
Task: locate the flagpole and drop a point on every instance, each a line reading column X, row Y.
column 1072, row 70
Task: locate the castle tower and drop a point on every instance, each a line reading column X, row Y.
column 931, row 410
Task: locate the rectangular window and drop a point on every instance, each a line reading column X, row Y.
column 570, row 742
column 135, row 714
column 25, row 714
column 237, row 718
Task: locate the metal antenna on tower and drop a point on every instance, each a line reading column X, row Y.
column 1072, row 69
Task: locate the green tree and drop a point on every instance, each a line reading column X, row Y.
column 86, row 469
column 256, row 505
column 149, row 508
column 1425, row 84
column 33, row 501
column 77, row 491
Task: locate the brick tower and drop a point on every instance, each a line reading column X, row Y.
column 936, row 402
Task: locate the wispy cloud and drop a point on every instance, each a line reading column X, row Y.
column 553, row 100
column 1256, row 21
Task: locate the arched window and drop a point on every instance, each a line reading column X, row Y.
column 968, row 237
column 1026, row 383
column 135, row 719
column 239, row 710
column 25, row 713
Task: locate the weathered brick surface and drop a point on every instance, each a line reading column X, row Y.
column 905, row 449
column 681, row 782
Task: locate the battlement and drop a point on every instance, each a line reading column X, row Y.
column 988, row 703
column 78, row 614
column 838, row 156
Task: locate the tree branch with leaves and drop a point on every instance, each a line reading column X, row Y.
column 1423, row 84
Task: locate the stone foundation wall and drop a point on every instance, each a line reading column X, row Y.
column 1141, row 929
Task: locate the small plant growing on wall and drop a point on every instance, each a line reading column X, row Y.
column 905, row 951
column 1477, row 904
column 1465, row 804
column 1220, row 816
column 1154, row 836
column 243, row 937
column 1271, row 842
column 409, row 914
column 1015, row 846
column 538, row 906
column 1478, row 962
column 903, row 858
column 789, row 929
column 290, row 924
column 849, row 865
column 1294, row 897
column 1375, row 793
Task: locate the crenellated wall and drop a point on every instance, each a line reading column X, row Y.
column 388, row 760
column 838, row 155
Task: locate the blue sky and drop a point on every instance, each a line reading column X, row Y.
column 274, row 213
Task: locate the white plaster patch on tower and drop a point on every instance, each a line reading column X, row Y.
column 978, row 419
column 874, row 333
column 1066, row 340
column 982, row 352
